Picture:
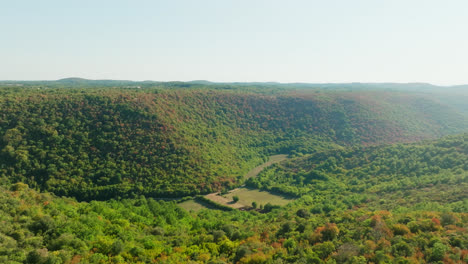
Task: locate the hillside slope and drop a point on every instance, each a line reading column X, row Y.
column 170, row 141
column 385, row 177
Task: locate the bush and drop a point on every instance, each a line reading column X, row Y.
column 269, row 207
column 254, row 205
column 438, row 251
column 400, row 229
column 303, row 213
column 402, row 249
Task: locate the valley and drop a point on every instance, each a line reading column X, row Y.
column 234, row 132
column 199, row 172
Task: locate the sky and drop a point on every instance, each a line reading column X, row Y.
column 237, row 40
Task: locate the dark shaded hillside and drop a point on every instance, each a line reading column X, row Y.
column 104, row 143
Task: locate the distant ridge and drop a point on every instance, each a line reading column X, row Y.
column 461, row 89
column 77, row 81
column 73, row 80
column 201, row 82
column 83, row 80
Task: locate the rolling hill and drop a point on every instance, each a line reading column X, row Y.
column 179, row 139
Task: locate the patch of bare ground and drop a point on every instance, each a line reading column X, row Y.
column 216, row 197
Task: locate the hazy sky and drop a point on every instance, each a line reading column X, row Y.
column 237, row 40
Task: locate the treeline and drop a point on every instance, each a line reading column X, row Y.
column 173, row 140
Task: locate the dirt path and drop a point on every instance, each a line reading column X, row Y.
column 252, row 173
column 273, row 159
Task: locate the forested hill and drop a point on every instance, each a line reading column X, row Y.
column 387, row 177
column 404, row 203
column 175, row 140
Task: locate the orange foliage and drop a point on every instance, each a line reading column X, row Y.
column 383, row 244
column 328, row 232
column 464, row 253
column 370, row 244
column 76, row 259
column 384, row 213
column 436, row 221
column 375, row 219
column 276, row 245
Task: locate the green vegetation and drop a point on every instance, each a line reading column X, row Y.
column 383, row 176
column 169, row 141
column 120, row 174
column 40, row 228
column 193, row 205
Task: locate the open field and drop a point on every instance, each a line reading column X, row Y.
column 224, row 200
column 247, row 196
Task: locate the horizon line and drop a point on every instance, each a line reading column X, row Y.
column 238, row 82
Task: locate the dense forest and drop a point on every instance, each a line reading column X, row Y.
column 425, row 221
column 386, row 177
column 95, row 171
column 172, row 141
